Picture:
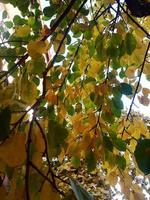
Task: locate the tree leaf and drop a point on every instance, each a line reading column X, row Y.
column 121, row 162
column 142, row 155
column 126, row 88
column 48, row 192
column 79, row 191
column 75, row 161
column 119, row 144
column 13, row 151
column 23, row 31
column 60, row 58
column 91, row 161
column 28, row 91
column 5, row 117
column 108, row 143
column 56, row 137
column 130, row 43
column 4, row 14
column 37, row 48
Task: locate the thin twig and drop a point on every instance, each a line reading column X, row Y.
column 138, row 83
column 50, row 65
column 45, row 177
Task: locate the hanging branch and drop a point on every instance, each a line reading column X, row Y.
column 139, row 80
column 45, row 177
column 46, row 153
column 50, row 65
column 138, row 83
column 27, row 173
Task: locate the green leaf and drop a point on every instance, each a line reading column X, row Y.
column 130, row 43
column 50, row 10
column 91, row 48
column 4, row 14
column 116, row 39
column 91, row 161
column 116, row 106
column 56, row 137
column 70, row 110
column 8, row 24
column 84, row 11
column 6, row 35
column 113, row 51
column 115, row 64
column 79, row 191
column 68, row 39
column 108, row 117
column 5, row 117
column 18, row 20
column 101, row 52
column 119, row 144
column 121, row 162
column 142, row 155
column 75, row 161
column 126, row 88
column 108, row 143
column 115, row 111
column 59, row 58
column 88, row 34
column 36, row 66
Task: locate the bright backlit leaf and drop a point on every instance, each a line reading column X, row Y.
column 23, row 31
column 37, row 48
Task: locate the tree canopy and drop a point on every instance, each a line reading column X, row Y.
column 65, row 66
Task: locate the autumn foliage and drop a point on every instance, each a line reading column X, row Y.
column 65, row 67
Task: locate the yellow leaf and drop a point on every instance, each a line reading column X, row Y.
column 48, row 192
column 37, row 159
column 13, row 151
column 51, row 97
column 94, row 68
column 7, row 95
column 28, row 91
column 56, row 45
column 109, row 1
column 113, row 178
column 132, row 196
column 130, row 72
column 45, row 31
column 146, row 91
column 146, row 69
column 140, row 126
column 23, row 31
column 37, row 48
column 138, row 195
column 38, row 140
column 133, row 144
column 3, row 192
